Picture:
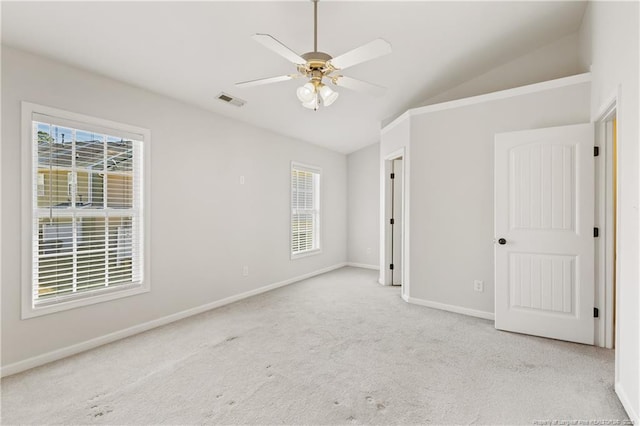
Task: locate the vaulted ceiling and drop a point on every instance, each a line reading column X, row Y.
column 191, row 51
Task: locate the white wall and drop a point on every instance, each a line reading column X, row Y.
column 609, row 42
column 204, row 225
column 364, row 206
column 451, row 203
column 554, row 60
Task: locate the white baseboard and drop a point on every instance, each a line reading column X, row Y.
column 57, row 354
column 363, row 265
column 626, row 403
column 452, row 308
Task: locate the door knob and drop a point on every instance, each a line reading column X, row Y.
column 502, row 241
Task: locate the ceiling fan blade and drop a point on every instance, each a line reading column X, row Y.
column 282, row 50
column 366, row 52
column 358, row 85
column 268, row 80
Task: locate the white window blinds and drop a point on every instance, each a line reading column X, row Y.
column 87, row 231
column 305, row 209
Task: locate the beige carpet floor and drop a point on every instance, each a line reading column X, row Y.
column 334, row 349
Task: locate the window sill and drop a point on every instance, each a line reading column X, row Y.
column 85, row 300
column 307, row 253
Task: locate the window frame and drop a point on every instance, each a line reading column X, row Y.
column 29, row 307
column 318, row 220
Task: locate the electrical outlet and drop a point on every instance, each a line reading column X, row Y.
column 478, row 285
column 241, row 180
column 368, row 250
column 245, row 271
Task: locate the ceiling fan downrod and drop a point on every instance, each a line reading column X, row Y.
column 316, row 65
column 315, row 25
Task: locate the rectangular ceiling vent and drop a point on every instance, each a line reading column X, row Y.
column 227, row 98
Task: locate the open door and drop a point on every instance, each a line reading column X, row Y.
column 544, row 230
column 396, row 222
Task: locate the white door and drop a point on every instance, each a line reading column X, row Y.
column 396, row 227
column 544, row 232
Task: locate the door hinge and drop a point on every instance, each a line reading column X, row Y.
column 596, row 313
column 596, row 232
column 393, row 175
column 392, row 221
column 391, row 266
column 596, row 151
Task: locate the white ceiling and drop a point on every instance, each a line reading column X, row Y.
column 193, row 50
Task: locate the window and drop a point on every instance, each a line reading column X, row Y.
column 305, row 210
column 86, row 229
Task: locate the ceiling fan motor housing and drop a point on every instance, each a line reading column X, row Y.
column 316, row 66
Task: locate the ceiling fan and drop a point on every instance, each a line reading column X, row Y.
column 317, row 66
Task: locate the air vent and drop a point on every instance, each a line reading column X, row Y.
column 227, row 98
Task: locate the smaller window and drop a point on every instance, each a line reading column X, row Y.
column 305, row 210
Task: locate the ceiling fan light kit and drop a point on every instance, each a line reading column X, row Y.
column 316, row 66
column 312, row 92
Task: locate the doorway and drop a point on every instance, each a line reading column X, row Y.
column 396, row 221
column 393, row 238
column 606, row 219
